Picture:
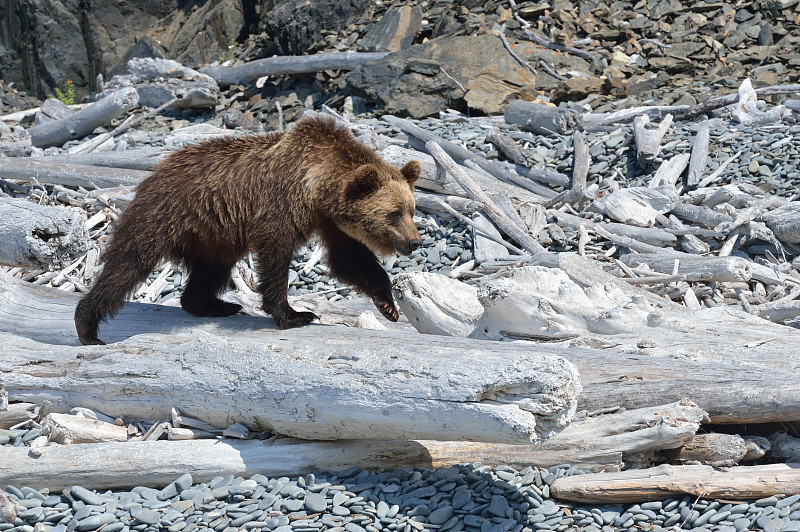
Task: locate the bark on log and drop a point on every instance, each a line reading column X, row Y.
column 83, row 122
column 734, row 366
column 76, row 175
column 658, row 483
column 282, row 65
column 39, row 236
column 699, row 214
column 542, row 119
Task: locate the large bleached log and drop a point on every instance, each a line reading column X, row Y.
column 64, row 173
column 701, row 356
column 785, row 222
column 17, row 413
column 283, row 65
column 696, row 351
column 542, row 119
column 720, row 269
column 594, row 444
column 40, row 236
column 157, row 463
column 658, row 483
column 135, row 159
column 81, row 123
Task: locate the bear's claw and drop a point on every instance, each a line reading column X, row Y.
column 388, row 309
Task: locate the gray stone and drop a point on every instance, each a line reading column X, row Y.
column 95, row 521
column 315, row 503
column 440, row 515
column 498, row 506
column 85, row 495
column 394, row 31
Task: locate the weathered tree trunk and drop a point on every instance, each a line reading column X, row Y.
column 542, row 119
column 282, row 65
column 39, row 236
column 648, row 141
column 61, row 173
column 697, row 162
column 83, row 122
column 135, row 159
column 157, row 463
column 317, row 382
column 637, row 485
column 594, row 444
column 699, row 356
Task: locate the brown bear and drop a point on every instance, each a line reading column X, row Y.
column 208, row 204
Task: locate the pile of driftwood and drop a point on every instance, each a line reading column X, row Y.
column 635, row 362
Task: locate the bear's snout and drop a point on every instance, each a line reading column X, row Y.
column 414, row 244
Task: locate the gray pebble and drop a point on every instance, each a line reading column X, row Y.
column 85, row 495
column 315, row 503
column 95, row 521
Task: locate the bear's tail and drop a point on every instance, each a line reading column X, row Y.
column 129, row 259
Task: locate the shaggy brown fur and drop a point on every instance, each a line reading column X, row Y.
column 208, row 204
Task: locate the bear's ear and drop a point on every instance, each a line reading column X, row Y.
column 362, row 181
column 411, row 171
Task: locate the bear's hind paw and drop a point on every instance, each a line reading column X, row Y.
column 387, row 308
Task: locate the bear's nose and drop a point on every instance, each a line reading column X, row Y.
column 414, row 244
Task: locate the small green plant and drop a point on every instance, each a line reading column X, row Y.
column 68, row 96
column 233, row 44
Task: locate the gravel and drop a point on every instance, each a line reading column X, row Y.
column 467, row 497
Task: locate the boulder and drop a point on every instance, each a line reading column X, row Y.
column 159, row 80
column 458, row 72
column 394, row 31
column 296, row 25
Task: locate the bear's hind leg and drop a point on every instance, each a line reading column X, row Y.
column 207, row 280
column 273, row 273
column 124, row 270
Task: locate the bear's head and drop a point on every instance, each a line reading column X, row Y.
column 377, row 207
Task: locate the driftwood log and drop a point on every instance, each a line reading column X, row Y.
column 45, row 171
column 696, row 351
column 39, row 236
column 283, row 65
column 697, row 162
column 157, row 463
column 133, row 159
column 648, row 141
column 594, row 444
column 359, row 386
column 696, row 359
column 658, row 483
column 81, row 123
column 419, row 137
column 542, row 119
column 318, row 382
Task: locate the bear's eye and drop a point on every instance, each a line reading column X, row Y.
column 396, row 215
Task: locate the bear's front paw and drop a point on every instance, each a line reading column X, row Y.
column 387, row 308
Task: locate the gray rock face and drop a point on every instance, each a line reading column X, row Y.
column 394, row 31
column 297, row 24
column 457, row 72
column 50, row 41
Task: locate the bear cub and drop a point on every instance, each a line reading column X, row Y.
column 208, row 204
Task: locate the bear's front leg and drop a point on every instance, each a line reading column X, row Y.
column 353, row 263
column 273, row 272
